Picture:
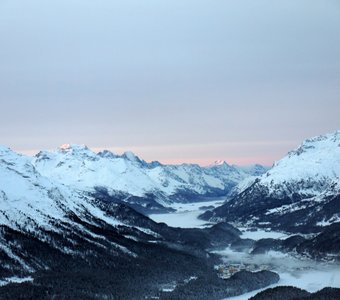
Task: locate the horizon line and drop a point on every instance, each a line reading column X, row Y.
column 150, row 153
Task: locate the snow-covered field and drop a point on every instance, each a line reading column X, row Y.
column 185, row 215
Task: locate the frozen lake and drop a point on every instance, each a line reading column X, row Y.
column 186, row 214
column 262, row 234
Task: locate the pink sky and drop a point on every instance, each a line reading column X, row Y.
column 203, row 154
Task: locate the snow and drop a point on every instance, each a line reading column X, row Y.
column 78, row 166
column 65, row 146
column 185, row 215
column 148, row 231
column 334, row 219
column 254, row 170
column 5, row 248
column 130, row 156
column 316, row 160
column 30, row 201
column 98, row 213
column 180, row 219
column 45, row 187
column 287, row 208
column 242, row 185
column 262, row 234
column 15, row 279
column 33, row 203
column 83, row 169
column 218, row 162
column 308, row 175
column 24, row 193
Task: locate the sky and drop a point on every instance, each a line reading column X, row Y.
column 176, row 81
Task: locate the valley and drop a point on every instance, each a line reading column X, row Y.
column 170, row 150
column 294, row 270
column 75, row 223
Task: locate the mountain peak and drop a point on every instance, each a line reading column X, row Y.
column 76, row 151
column 318, row 147
column 219, row 162
column 5, row 150
column 131, row 156
column 107, row 154
column 319, row 143
column 316, row 159
column 73, row 147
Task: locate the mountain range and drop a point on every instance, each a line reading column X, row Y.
column 75, row 216
column 62, row 238
column 148, row 187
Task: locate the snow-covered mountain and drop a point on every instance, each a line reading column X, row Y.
column 301, row 190
column 33, row 204
column 56, row 235
column 29, row 199
column 61, row 243
column 61, row 228
column 254, row 170
column 128, row 178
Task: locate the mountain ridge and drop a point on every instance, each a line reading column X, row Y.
column 300, row 190
column 127, row 176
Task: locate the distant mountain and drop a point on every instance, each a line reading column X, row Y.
column 129, row 179
column 253, row 170
column 300, row 193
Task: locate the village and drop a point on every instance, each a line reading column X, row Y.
column 225, row 271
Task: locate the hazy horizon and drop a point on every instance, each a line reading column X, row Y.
column 147, row 150
column 174, row 81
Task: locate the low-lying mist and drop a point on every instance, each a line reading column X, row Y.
column 296, row 271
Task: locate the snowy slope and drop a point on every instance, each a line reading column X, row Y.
column 37, row 211
column 302, row 189
column 30, row 199
column 312, row 167
column 81, row 168
column 254, row 170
